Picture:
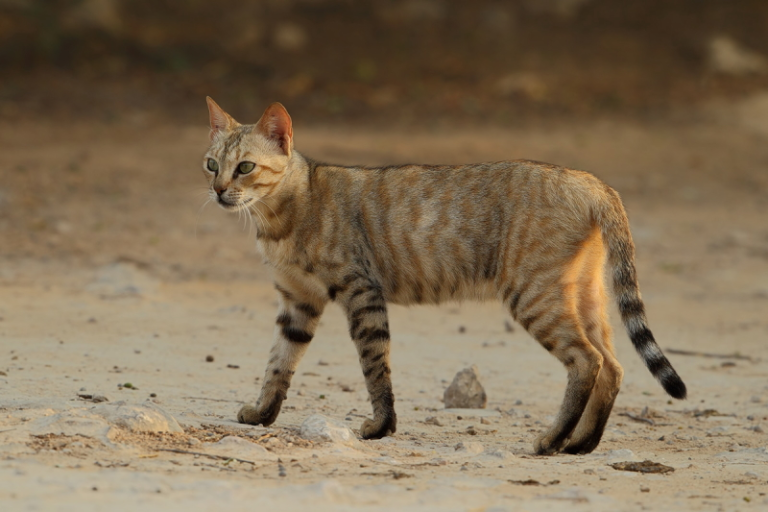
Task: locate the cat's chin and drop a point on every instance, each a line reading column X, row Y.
column 233, row 206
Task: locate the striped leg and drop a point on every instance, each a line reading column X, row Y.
column 369, row 329
column 296, row 324
column 555, row 324
column 589, row 431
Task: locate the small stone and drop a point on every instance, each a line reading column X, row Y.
column 208, row 359
column 465, row 392
column 138, row 418
column 469, row 448
column 318, row 428
column 239, row 448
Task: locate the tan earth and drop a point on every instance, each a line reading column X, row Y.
column 116, row 281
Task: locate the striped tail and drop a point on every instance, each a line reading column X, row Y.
column 614, row 226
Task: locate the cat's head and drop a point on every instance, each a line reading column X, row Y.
column 246, row 163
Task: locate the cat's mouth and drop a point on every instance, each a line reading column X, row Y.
column 233, row 206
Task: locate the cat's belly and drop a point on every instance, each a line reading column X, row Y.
column 425, row 292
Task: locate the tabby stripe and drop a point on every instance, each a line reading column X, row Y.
column 308, row 310
column 544, row 333
column 359, row 292
column 353, row 326
column 333, row 291
column 357, row 314
column 631, row 307
column 284, row 319
column 296, row 335
column 506, row 293
column 531, row 303
column 368, row 335
column 515, row 301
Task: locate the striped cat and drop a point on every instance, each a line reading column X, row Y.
column 534, row 236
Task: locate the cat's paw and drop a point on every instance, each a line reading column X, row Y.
column 372, row 429
column 580, row 447
column 545, row 445
column 254, row 416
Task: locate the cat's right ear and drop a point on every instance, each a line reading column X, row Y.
column 276, row 124
column 221, row 122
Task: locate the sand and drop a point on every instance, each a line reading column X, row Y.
column 115, row 282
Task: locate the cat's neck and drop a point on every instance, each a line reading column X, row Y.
column 275, row 216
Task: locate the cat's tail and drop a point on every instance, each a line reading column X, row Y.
column 612, row 220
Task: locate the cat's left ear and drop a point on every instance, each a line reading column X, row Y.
column 276, row 124
column 221, row 122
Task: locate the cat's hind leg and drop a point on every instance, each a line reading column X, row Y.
column 296, row 323
column 366, row 310
column 545, row 311
column 591, row 306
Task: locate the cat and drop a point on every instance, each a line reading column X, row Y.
column 532, row 235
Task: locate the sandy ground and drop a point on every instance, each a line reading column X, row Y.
column 112, row 272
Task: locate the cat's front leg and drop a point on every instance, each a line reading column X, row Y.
column 369, row 328
column 296, row 324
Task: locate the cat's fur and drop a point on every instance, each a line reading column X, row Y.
column 534, row 236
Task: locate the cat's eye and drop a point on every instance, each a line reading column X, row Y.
column 245, row 167
column 213, row 165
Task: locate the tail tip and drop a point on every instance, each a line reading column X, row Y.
column 675, row 386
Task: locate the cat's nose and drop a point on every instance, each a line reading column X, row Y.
column 220, row 190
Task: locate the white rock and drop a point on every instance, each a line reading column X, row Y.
column 138, row 418
column 469, row 448
column 237, row 447
column 71, row 423
column 318, row 428
column 465, row 391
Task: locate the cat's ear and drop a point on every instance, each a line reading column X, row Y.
column 276, row 124
column 221, row 122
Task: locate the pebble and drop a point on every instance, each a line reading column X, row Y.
column 465, row 392
column 318, row 428
column 138, row 418
column 239, row 448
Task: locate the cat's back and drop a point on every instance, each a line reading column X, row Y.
column 467, row 188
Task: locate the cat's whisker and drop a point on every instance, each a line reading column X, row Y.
column 199, row 212
column 279, row 220
column 259, row 218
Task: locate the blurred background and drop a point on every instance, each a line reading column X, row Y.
column 379, row 61
column 103, row 120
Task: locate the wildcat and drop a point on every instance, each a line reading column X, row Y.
column 532, row 235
